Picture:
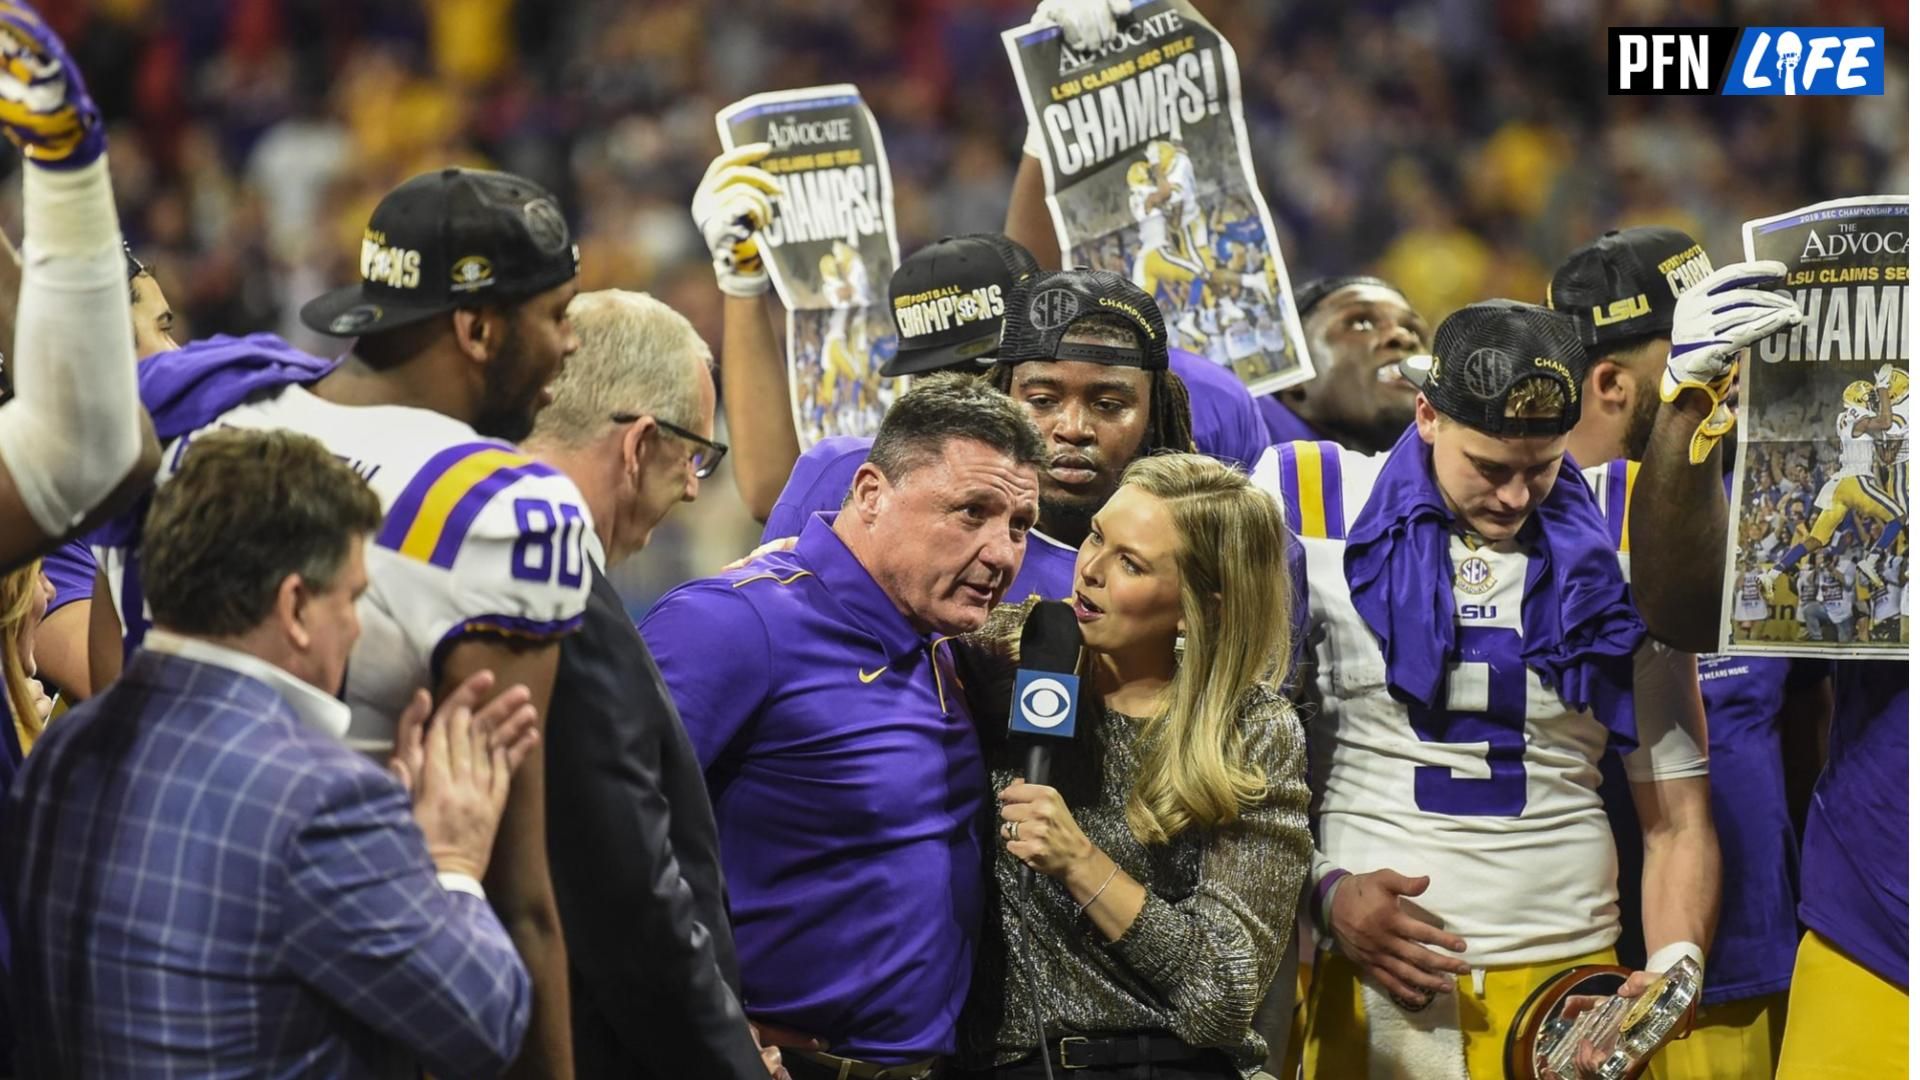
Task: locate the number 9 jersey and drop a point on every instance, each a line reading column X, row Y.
column 478, row 538
column 1495, row 795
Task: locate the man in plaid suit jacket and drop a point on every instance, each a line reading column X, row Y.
column 202, row 878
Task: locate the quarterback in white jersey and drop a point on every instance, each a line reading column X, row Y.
column 1475, row 811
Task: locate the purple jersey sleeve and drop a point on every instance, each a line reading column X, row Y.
column 1226, row 422
column 70, row 567
column 818, row 484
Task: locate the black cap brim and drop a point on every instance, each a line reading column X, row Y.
column 350, row 312
column 979, row 352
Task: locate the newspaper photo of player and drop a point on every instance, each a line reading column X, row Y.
column 1817, row 556
column 1149, row 175
column 831, row 241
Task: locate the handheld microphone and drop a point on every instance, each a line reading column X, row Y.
column 1046, row 692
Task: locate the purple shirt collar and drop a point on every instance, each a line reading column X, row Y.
column 849, row 583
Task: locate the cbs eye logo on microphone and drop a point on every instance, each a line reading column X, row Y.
column 1044, row 703
column 1771, row 61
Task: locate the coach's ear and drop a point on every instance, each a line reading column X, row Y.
column 868, row 493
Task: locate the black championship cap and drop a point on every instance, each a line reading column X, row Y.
column 1483, row 352
column 951, row 299
column 1058, row 300
column 1623, row 285
column 448, row 239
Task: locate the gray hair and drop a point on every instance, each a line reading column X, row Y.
column 946, row 407
column 632, row 358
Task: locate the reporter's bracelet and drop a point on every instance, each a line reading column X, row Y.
column 1096, row 893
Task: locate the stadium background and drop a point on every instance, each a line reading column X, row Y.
column 1458, row 147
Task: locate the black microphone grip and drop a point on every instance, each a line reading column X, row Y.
column 1039, row 765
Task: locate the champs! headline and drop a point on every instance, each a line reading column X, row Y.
column 1096, row 116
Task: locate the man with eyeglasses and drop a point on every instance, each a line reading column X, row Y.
column 632, row 844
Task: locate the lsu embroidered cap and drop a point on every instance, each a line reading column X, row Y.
column 951, row 300
column 1484, row 353
column 1623, row 285
column 448, row 239
column 1057, row 301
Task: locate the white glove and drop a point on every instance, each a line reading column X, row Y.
column 732, row 204
column 1769, row 578
column 1087, row 25
column 1713, row 321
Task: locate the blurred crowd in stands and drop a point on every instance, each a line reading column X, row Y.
column 1459, row 150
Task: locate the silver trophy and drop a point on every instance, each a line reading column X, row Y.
column 1561, row 1034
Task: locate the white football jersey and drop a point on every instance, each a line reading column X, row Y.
column 1857, row 451
column 1153, row 223
column 1495, row 794
column 478, row 538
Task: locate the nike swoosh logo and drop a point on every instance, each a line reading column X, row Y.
column 866, row 678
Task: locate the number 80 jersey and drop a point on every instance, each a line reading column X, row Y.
column 478, row 538
column 1495, row 794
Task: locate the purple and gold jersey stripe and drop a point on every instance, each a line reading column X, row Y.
column 1621, row 474
column 1310, row 488
column 431, row 517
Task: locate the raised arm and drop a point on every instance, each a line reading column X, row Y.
column 73, row 437
column 1087, row 25
column 733, row 203
column 1677, row 522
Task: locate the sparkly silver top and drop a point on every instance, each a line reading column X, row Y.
column 1203, row 951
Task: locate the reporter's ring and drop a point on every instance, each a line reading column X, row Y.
column 1010, row 830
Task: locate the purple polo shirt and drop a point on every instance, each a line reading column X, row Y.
column 819, row 483
column 1853, row 862
column 849, row 789
column 1226, row 421
column 70, row 567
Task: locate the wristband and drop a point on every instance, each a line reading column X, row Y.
column 1670, row 954
column 1323, row 898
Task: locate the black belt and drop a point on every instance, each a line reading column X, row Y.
column 810, row 1064
column 1105, row 1051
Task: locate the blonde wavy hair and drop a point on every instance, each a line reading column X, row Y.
column 1236, row 601
column 17, row 591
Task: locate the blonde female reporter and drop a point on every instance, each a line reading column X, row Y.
column 1172, row 845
